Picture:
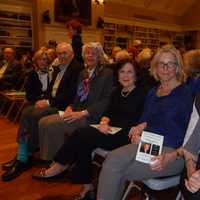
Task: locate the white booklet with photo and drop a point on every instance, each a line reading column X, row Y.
column 150, row 145
column 113, row 130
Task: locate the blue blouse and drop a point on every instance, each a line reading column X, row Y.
column 169, row 115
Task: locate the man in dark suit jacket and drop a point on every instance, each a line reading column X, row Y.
column 61, row 94
column 10, row 70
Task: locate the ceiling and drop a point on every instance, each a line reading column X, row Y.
column 170, row 7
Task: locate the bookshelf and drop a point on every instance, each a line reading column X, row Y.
column 123, row 35
column 149, row 37
column 109, row 37
column 16, row 30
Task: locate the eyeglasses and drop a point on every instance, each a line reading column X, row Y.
column 169, row 65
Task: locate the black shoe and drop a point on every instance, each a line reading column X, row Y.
column 8, row 165
column 17, row 169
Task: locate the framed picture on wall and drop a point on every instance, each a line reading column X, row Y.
column 65, row 10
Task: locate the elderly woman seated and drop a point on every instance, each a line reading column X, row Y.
column 167, row 112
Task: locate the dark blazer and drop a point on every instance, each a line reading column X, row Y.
column 99, row 93
column 67, row 88
column 33, row 87
column 11, row 77
column 77, row 47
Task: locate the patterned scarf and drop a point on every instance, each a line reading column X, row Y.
column 84, row 86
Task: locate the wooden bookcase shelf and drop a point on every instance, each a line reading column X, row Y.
column 123, row 36
column 16, row 30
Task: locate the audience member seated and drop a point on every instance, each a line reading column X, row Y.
column 143, row 60
column 113, row 54
column 138, row 45
column 166, row 112
column 94, row 89
column 62, row 91
column 53, row 61
column 105, row 56
column 51, row 53
column 26, row 61
column 119, row 56
column 37, row 83
column 10, row 70
column 133, row 52
column 124, row 110
column 190, row 179
column 52, row 44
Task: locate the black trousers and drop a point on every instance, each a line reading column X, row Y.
column 79, row 146
column 187, row 194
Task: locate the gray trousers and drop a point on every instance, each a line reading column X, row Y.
column 120, row 165
column 28, row 128
column 53, row 131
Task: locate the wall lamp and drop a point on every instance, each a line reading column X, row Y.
column 99, row 2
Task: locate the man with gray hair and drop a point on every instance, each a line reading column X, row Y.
column 62, row 90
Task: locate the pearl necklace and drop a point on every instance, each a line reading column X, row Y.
column 126, row 93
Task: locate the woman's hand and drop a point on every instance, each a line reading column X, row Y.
column 135, row 132
column 160, row 162
column 104, row 128
column 193, row 183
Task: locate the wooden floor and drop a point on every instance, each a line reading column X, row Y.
column 26, row 188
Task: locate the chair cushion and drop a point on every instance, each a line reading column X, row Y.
column 162, row 183
column 100, row 152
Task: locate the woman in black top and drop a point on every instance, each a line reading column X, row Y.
column 36, row 86
column 124, row 110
